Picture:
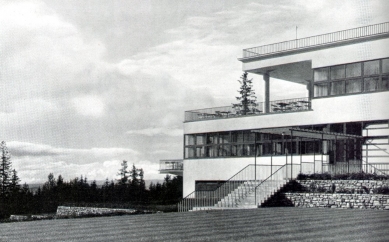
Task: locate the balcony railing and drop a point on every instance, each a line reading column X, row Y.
column 167, row 166
column 318, row 40
column 278, row 106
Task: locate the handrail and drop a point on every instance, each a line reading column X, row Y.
column 317, row 40
column 373, row 168
column 210, row 198
column 288, row 105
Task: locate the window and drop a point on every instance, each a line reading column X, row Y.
column 321, row 74
column 189, row 139
column 321, row 90
column 353, row 86
column 337, row 72
column 385, row 66
column 337, row 88
column 224, row 138
column 371, row 84
column 385, row 83
column 200, row 139
column 371, row 68
column 354, row 70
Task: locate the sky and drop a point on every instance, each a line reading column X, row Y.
column 86, row 84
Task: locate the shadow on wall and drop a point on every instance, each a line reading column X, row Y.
column 280, row 200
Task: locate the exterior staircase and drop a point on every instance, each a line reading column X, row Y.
column 243, row 195
column 376, row 148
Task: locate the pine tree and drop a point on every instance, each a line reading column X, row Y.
column 247, row 99
column 5, row 169
column 14, row 185
column 123, row 173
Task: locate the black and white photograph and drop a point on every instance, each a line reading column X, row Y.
column 194, row 120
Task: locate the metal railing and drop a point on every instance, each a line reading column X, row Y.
column 318, row 40
column 277, row 106
column 249, row 177
column 171, row 165
column 275, row 182
column 376, row 168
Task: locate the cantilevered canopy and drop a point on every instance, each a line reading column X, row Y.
column 308, row 133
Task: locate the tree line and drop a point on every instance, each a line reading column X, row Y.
column 130, row 189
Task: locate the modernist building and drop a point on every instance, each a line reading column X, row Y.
column 341, row 125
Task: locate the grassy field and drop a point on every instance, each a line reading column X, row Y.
column 264, row 224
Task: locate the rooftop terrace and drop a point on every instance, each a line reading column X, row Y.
column 339, row 37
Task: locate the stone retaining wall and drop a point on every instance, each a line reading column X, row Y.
column 343, row 186
column 338, row 200
column 63, row 211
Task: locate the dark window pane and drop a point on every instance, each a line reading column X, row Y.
column 224, row 150
column 212, row 139
column 337, row 72
column 189, row 139
column 371, row 68
column 249, row 136
column 321, row 74
column 189, row 153
column 200, row 138
column 370, row 84
column 385, row 83
column 337, row 88
column 353, row 86
column 385, row 66
column 321, row 90
column 353, row 70
column 200, row 151
column 224, row 138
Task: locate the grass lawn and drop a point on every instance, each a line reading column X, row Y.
column 263, row 224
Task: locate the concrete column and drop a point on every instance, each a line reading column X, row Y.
column 266, row 78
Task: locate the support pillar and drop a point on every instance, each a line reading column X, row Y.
column 266, row 78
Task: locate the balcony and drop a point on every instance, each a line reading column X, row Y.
column 277, row 106
column 175, row 167
column 318, row 41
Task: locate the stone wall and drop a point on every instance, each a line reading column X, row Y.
column 63, row 211
column 339, row 200
column 362, row 194
column 344, row 186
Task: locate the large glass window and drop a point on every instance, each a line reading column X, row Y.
column 371, row 84
column 371, row 68
column 189, row 139
column 385, row 66
column 321, row 90
column 368, row 76
column 353, row 70
column 353, row 86
column 337, row 72
column 337, row 88
column 321, row 74
column 385, row 83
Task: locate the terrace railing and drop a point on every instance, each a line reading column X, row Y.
column 171, row 165
column 318, row 40
column 277, row 106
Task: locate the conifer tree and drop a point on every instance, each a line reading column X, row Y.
column 123, row 173
column 5, row 169
column 247, row 99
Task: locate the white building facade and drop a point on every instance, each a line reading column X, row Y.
column 341, row 125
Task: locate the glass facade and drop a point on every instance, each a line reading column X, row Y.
column 249, row 144
column 361, row 77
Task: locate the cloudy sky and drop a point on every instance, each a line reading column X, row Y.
column 86, row 84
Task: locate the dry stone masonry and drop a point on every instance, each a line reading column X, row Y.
column 63, row 211
column 361, row 194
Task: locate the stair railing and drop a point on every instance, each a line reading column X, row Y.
column 275, row 181
column 248, row 176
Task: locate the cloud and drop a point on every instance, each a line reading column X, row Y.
column 89, row 105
